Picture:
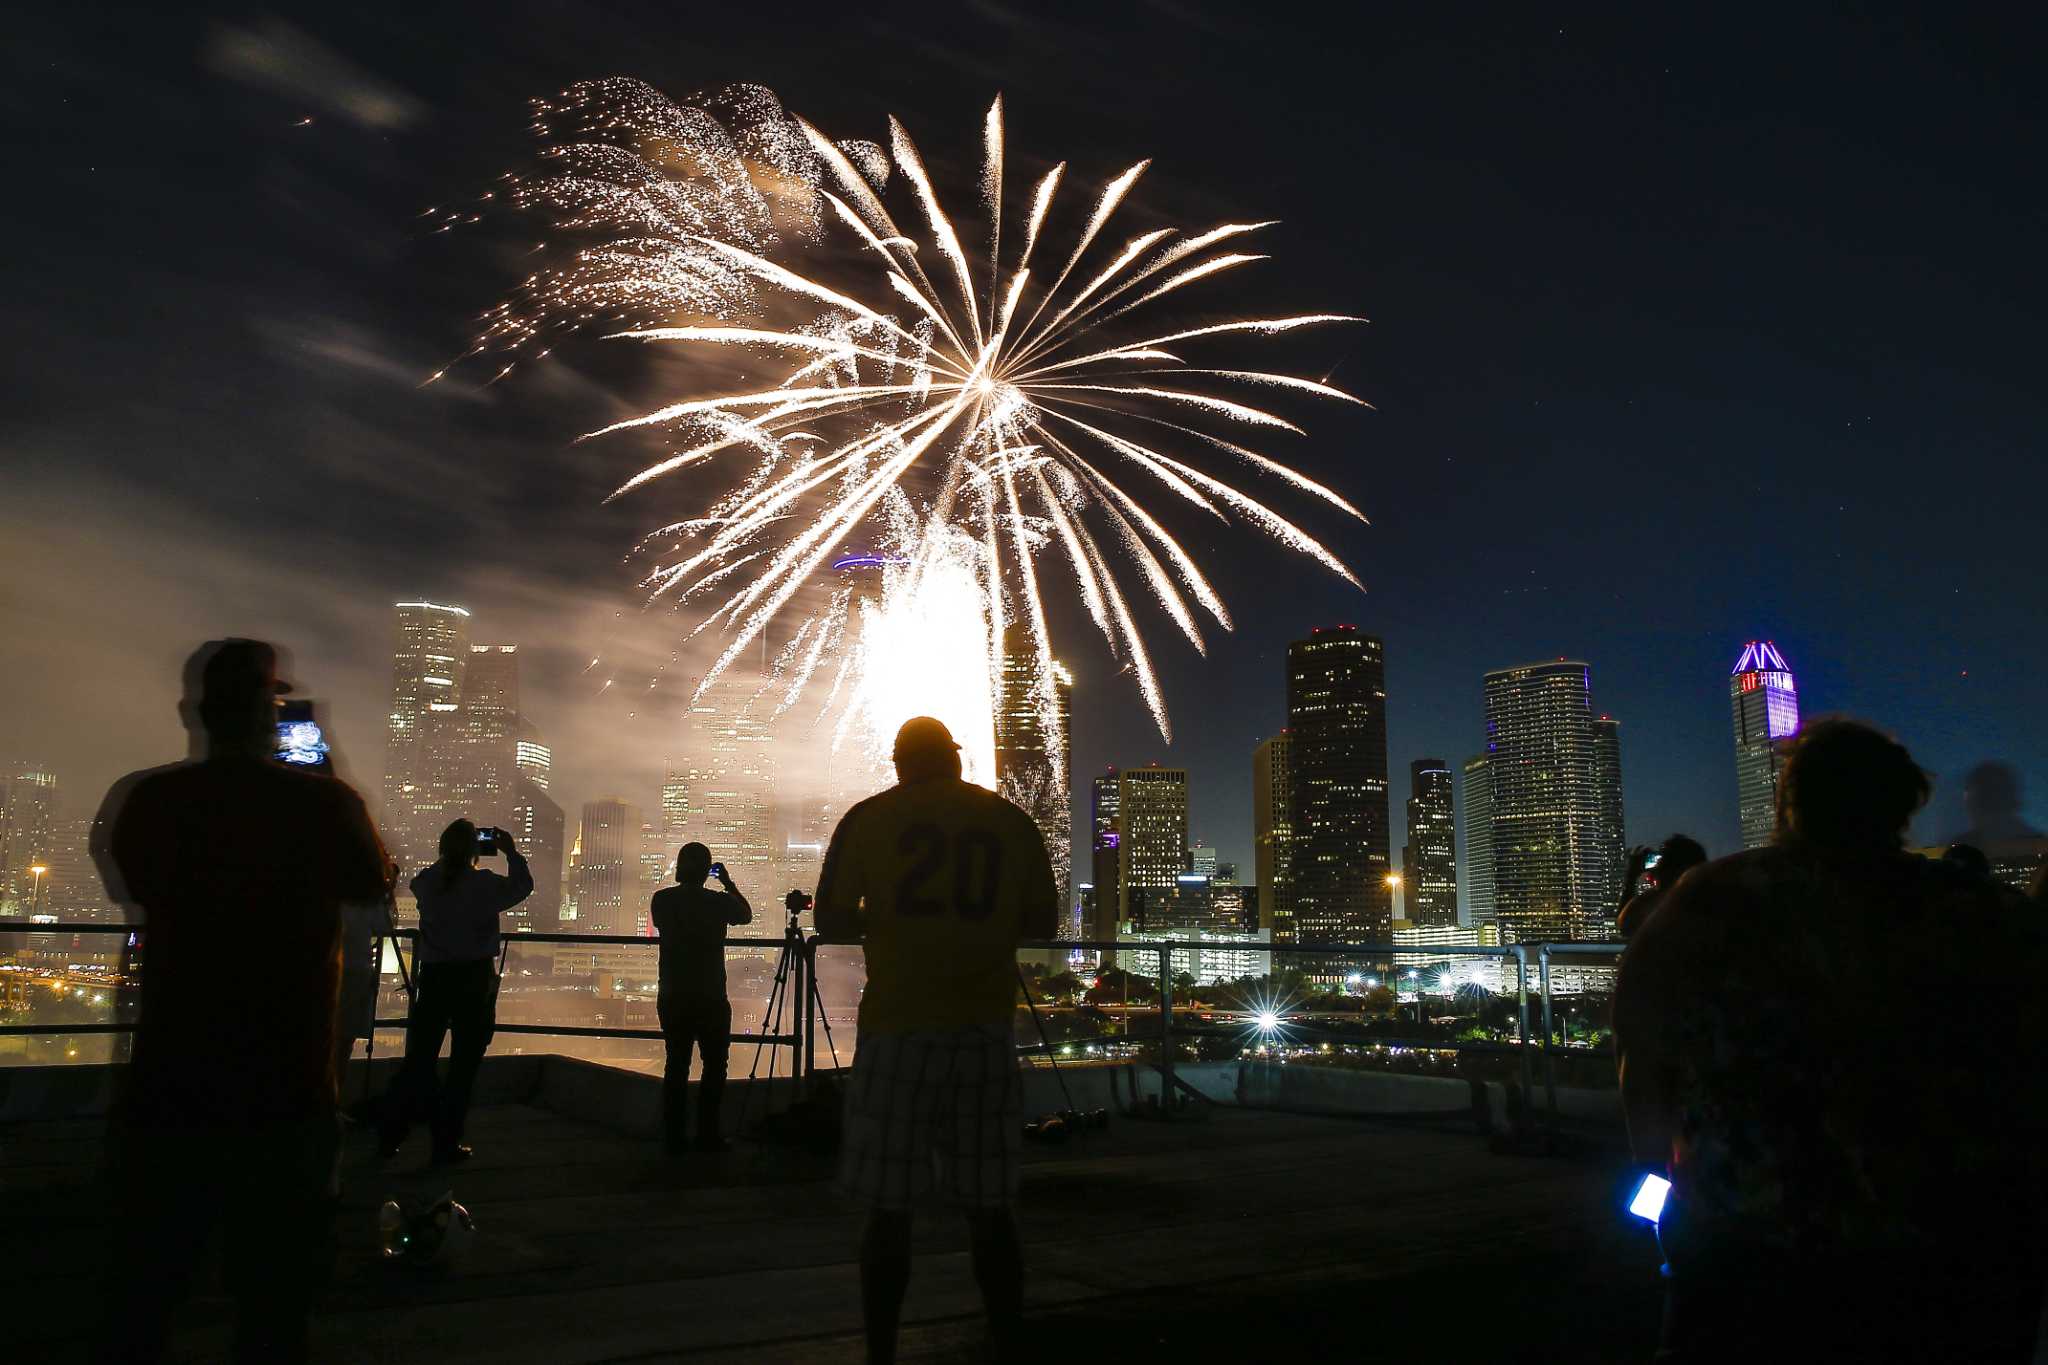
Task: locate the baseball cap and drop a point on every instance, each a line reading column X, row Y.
column 922, row 734
column 236, row 671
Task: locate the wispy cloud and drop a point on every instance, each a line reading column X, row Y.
column 278, row 57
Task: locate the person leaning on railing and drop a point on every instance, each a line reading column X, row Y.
column 1833, row 1046
column 456, row 986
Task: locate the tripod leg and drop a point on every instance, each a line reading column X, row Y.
column 771, row 1023
column 1044, row 1037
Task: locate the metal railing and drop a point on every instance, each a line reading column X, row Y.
column 803, row 968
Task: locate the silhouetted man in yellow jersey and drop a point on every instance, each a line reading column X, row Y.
column 939, row 879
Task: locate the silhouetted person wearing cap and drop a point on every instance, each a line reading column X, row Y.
column 940, row 880
column 692, row 920
column 239, row 866
column 1856, row 1169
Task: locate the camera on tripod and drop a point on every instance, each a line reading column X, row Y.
column 796, row 902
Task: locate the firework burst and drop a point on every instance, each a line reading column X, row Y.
column 976, row 421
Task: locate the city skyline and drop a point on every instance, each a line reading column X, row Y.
column 1791, row 331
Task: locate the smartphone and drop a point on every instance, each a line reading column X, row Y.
column 718, row 871
column 1647, row 1203
column 1652, row 859
column 300, row 741
column 486, row 842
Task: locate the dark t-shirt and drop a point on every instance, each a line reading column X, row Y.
column 1846, row 1051
column 240, row 867
column 692, row 921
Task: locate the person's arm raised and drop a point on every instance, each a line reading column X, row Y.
column 518, row 876
column 739, row 912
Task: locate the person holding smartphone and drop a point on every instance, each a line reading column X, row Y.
column 456, row 985
column 692, row 920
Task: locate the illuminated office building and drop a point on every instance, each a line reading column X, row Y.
column 1104, row 900
column 429, row 656
column 1764, row 700
column 1340, row 849
column 729, row 779
column 28, row 837
column 1611, row 831
column 1152, row 843
column 1552, row 813
column 1034, row 768
column 610, row 883
column 1475, row 869
column 1429, row 860
column 1271, row 836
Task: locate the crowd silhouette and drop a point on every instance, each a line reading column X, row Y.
column 1856, row 1173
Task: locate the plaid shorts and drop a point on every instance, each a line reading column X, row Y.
column 930, row 1109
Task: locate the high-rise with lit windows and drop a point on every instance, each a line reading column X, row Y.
column 1099, row 915
column 1272, row 835
column 429, row 656
column 1340, row 854
column 1033, row 722
column 1613, row 836
column 1429, row 860
column 1152, row 844
column 1475, row 869
column 1552, row 815
column 1764, row 700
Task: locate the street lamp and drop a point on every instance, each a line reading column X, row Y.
column 35, row 895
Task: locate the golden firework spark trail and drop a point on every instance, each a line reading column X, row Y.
column 967, row 419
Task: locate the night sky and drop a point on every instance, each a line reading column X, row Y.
column 1685, row 330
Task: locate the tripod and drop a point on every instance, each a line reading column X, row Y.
column 780, row 1004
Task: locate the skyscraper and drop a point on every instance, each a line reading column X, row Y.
column 1551, row 832
column 487, row 730
column 541, row 829
column 1272, row 833
column 1106, row 900
column 1152, row 844
column 532, row 756
column 1034, row 768
column 429, row 656
column 609, row 890
column 1612, row 827
column 1476, row 870
column 1202, row 859
column 28, row 836
column 730, row 778
column 1765, row 703
column 676, row 811
column 1340, row 852
column 1429, row 860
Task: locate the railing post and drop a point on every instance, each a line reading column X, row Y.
column 1166, row 1086
column 1549, row 1057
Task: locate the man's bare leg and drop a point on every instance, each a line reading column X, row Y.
column 884, row 1278
column 999, row 1270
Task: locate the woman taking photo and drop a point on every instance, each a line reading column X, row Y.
column 457, row 983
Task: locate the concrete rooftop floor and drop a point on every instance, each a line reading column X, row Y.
column 1236, row 1235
